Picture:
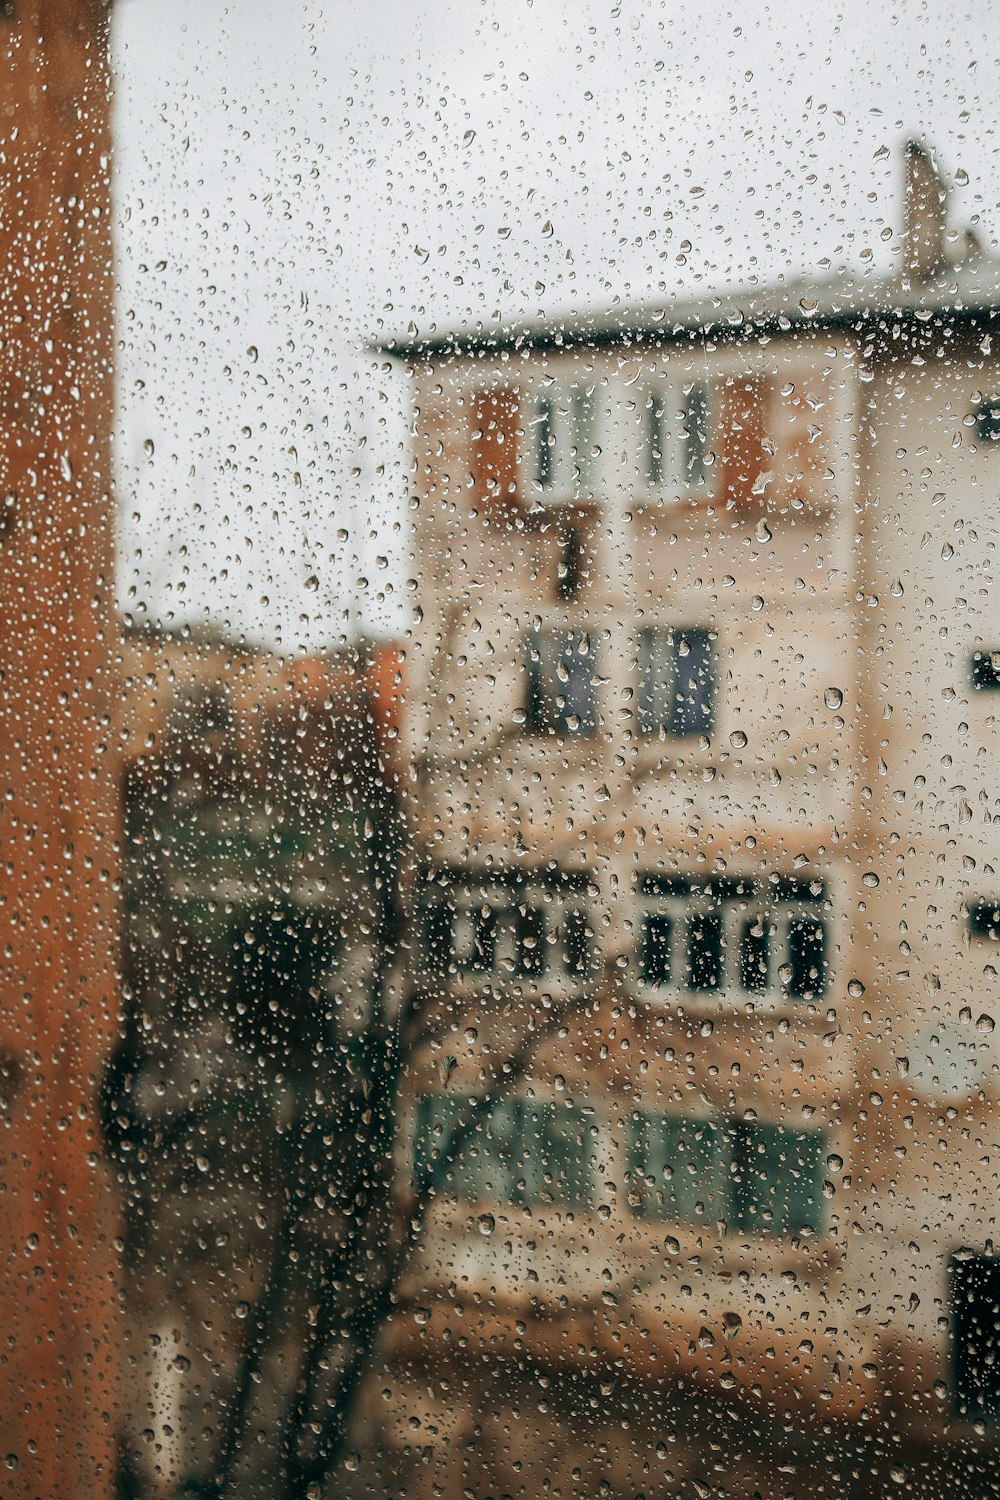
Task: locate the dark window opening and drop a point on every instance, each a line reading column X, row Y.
column 988, row 422
column 484, row 954
column 760, row 938
column 984, row 921
column 570, row 569
column 509, row 925
column 561, row 688
column 704, row 951
column 806, row 958
column 677, row 670
column 755, row 947
column 577, row 936
column 530, row 941
column 986, row 670
column 975, row 1300
column 656, row 941
column 654, row 440
column 439, row 937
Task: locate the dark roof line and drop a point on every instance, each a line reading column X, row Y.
column 960, row 293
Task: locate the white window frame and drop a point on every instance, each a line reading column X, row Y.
column 580, row 412
column 468, row 894
column 762, row 901
column 669, row 478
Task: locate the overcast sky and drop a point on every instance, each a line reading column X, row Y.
column 297, row 180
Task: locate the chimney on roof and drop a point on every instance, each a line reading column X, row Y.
column 925, row 215
column 972, row 244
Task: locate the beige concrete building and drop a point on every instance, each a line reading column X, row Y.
column 701, row 714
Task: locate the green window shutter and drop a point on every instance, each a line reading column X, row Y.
column 500, row 1152
column 555, row 1156
column 437, row 1115
column 571, row 1155
column 532, row 1156
column 689, row 1161
column 481, row 1164
column 779, row 1179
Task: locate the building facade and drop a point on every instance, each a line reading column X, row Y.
column 700, row 720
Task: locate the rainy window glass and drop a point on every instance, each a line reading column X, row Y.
column 500, row 854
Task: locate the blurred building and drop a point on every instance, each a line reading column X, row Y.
column 59, row 831
column 702, row 711
column 261, row 835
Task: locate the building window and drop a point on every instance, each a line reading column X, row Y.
column 677, row 452
column 656, row 435
column 544, row 443
column 562, row 688
column 677, row 672
column 986, row 670
column 514, row 1151
column 569, row 577
column 988, row 422
column 583, row 418
column 508, row 927
column 564, row 441
column 759, row 1178
column 984, row 920
column 975, row 1301
column 733, row 937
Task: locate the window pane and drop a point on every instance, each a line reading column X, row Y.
column 695, row 442
column 577, row 936
column 806, row 957
column 531, row 949
column 975, row 1301
column 655, row 680
column 561, row 690
column 584, row 410
column 657, row 937
column 523, row 659
column 577, row 713
column 755, row 949
column 655, row 418
column 694, row 690
column 556, row 1156
column 778, row 1179
column 439, row 936
column 704, row 951
column 545, row 437
column 688, row 1161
